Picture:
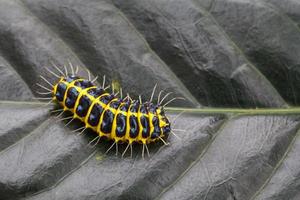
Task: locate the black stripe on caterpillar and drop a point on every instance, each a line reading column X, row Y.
column 120, row 119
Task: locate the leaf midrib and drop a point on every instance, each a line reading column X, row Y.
column 207, row 110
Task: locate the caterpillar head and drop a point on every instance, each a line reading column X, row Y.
column 160, row 122
column 165, row 124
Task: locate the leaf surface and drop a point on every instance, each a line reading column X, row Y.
column 235, row 62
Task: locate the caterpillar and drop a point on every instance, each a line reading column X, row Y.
column 109, row 114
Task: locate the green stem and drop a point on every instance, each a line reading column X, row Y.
column 251, row 111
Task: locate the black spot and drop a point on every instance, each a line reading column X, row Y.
column 71, row 78
column 83, row 106
column 166, row 120
column 156, row 133
column 134, row 128
column 155, row 121
column 152, row 108
column 106, row 98
column 124, row 107
column 84, row 84
column 107, row 121
column 143, row 109
column 95, row 92
column 115, row 104
column 145, row 125
column 135, row 107
column 126, row 100
column 166, row 129
column 121, row 125
column 95, row 114
column 60, row 91
column 72, row 95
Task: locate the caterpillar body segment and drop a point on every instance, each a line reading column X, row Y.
column 119, row 119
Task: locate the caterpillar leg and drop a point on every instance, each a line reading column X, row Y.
column 180, row 130
column 110, row 147
column 49, row 90
column 128, row 97
column 42, row 98
column 69, row 122
column 48, row 103
column 103, row 82
column 175, row 98
column 51, row 72
column 117, row 148
column 72, row 68
column 48, row 82
column 160, row 102
column 57, row 68
column 112, row 88
column 60, row 114
column 147, row 150
column 94, row 79
column 59, row 110
column 153, row 91
column 115, row 143
column 97, row 141
column 177, row 116
column 96, row 138
column 89, row 74
column 66, row 70
column 43, row 93
column 76, row 70
column 143, row 151
column 106, row 87
column 79, row 129
column 81, row 132
column 175, row 135
column 116, row 94
column 62, row 119
column 121, row 93
column 131, row 150
column 45, row 88
column 163, row 141
column 159, row 94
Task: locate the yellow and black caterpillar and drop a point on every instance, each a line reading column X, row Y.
column 122, row 120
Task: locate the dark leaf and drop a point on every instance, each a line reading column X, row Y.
column 240, row 58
